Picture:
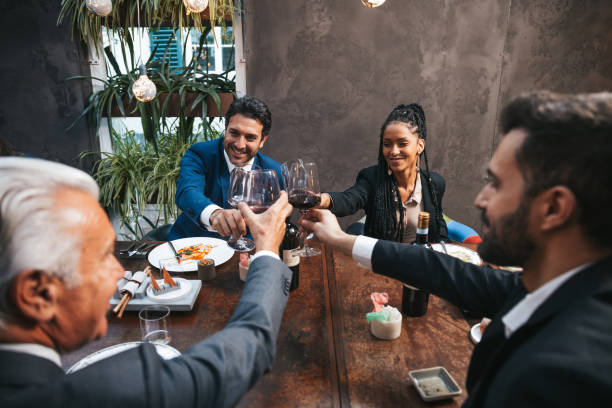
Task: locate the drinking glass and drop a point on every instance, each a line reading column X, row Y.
column 259, row 189
column 237, row 188
column 302, row 183
column 155, row 324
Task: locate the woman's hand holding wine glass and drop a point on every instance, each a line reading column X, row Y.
column 302, row 184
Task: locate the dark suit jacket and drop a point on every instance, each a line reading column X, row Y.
column 213, row 373
column 204, row 180
column 361, row 196
column 562, row 356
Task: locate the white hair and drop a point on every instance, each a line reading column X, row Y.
column 33, row 228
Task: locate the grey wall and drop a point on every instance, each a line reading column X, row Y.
column 332, row 70
column 36, row 103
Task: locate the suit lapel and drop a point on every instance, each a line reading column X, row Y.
column 223, row 174
column 495, row 349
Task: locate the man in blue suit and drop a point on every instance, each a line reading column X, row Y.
column 201, row 190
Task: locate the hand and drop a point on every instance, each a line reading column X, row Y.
column 325, row 201
column 268, row 228
column 228, row 222
column 325, row 226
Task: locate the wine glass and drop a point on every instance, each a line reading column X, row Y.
column 302, row 184
column 237, row 190
column 259, row 189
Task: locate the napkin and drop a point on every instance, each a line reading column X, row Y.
column 133, row 283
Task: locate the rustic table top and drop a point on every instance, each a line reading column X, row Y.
column 326, row 355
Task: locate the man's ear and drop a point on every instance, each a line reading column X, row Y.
column 35, row 294
column 557, row 207
column 263, row 140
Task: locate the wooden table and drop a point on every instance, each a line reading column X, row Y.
column 326, row 356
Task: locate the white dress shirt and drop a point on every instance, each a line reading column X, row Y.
column 522, row 311
column 209, row 209
column 34, row 349
column 516, row 317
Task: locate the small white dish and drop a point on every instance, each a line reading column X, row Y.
column 183, row 291
column 475, row 333
column 165, row 351
column 434, row 383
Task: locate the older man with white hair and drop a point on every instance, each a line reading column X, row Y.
column 57, row 277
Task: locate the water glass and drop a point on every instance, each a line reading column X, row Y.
column 155, row 324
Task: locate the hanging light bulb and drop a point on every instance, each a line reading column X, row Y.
column 101, row 8
column 195, row 6
column 372, row 3
column 143, row 88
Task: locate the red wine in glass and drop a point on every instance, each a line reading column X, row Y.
column 258, row 209
column 304, row 200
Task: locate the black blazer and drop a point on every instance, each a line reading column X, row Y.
column 562, row 356
column 361, row 196
column 214, row 373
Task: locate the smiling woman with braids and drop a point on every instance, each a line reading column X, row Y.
column 394, row 191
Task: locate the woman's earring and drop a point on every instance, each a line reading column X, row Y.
column 389, row 172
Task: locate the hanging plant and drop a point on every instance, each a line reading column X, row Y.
column 154, row 14
column 190, row 88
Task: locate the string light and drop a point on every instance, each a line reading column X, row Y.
column 372, row 3
column 195, row 6
column 100, row 8
column 143, row 88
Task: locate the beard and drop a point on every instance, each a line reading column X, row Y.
column 508, row 242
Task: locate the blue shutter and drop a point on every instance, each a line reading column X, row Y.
column 174, row 53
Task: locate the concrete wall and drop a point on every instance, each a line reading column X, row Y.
column 332, row 70
column 36, row 103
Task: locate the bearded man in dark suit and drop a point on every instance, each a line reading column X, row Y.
column 58, row 275
column 545, row 207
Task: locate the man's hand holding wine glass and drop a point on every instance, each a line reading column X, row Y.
column 325, row 226
column 268, row 228
column 228, row 222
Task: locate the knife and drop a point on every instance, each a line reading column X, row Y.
column 176, row 255
column 128, row 249
column 138, row 248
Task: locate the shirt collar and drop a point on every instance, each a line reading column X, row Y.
column 231, row 166
column 523, row 310
column 34, row 349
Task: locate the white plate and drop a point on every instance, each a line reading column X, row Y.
column 475, row 333
column 459, row 252
column 165, row 351
column 220, row 253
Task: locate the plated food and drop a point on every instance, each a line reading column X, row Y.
column 191, row 250
column 195, row 252
column 459, row 252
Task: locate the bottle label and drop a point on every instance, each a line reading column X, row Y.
column 422, row 231
column 290, row 259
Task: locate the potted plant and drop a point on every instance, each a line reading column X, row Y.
column 185, row 92
column 135, row 178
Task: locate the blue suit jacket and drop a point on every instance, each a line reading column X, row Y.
column 204, row 180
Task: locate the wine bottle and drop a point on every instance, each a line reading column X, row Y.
column 290, row 242
column 414, row 301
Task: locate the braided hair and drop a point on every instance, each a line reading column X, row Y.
column 384, row 223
